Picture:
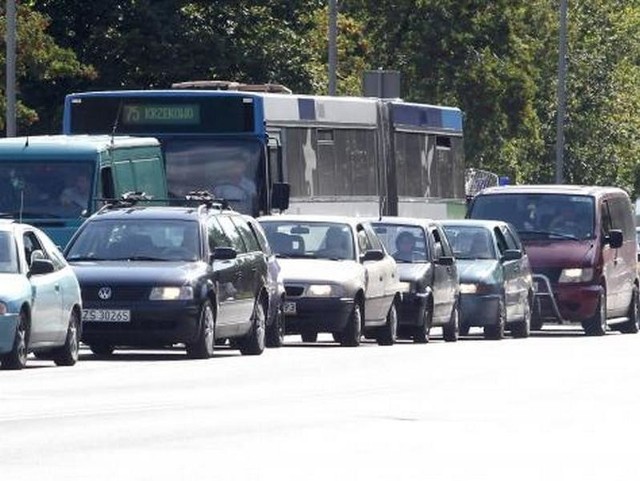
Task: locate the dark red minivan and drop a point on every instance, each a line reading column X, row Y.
column 581, row 243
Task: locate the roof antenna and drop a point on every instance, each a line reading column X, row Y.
column 115, row 122
column 26, row 142
column 383, row 201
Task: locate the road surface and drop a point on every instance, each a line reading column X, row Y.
column 557, row 406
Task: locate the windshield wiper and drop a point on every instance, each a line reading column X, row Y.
column 549, row 234
column 85, row 258
column 140, row 258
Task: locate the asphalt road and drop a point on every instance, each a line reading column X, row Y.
column 558, row 406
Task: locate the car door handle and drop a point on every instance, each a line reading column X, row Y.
column 57, row 287
column 381, row 277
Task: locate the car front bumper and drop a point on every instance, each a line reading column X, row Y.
column 572, row 303
column 411, row 308
column 479, row 310
column 318, row 314
column 8, row 326
column 153, row 323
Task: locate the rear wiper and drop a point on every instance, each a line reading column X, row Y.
column 549, row 234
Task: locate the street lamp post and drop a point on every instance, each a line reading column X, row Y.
column 333, row 46
column 10, row 90
column 562, row 92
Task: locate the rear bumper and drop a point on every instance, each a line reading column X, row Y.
column 565, row 302
column 152, row 324
column 8, row 325
column 318, row 315
column 479, row 310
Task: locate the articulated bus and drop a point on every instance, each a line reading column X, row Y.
column 346, row 155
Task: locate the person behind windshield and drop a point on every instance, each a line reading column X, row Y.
column 405, row 245
column 236, row 187
column 336, row 244
column 566, row 222
column 76, row 195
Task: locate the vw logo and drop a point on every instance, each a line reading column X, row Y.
column 104, row 293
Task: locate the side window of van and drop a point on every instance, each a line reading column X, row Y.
column 107, row 189
column 605, row 217
column 621, row 217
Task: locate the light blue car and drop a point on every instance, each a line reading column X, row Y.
column 40, row 302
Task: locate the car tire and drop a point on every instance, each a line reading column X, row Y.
column 522, row 329
column 352, row 333
column 67, row 355
column 275, row 332
column 632, row 325
column 536, row 316
column 421, row 332
column 203, row 346
column 16, row 359
column 253, row 344
column 597, row 324
column 463, row 329
column 451, row 331
column 309, row 337
column 102, row 350
column 496, row 331
column 388, row 334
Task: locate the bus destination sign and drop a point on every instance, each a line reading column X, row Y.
column 159, row 114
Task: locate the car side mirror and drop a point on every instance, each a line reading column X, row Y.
column 614, row 238
column 280, row 192
column 511, row 255
column 445, row 261
column 373, row 255
column 223, row 254
column 41, row 266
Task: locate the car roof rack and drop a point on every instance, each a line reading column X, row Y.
column 201, row 198
column 268, row 87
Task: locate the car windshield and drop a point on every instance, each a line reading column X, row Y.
column 229, row 169
column 8, row 257
column 45, row 189
column 406, row 243
column 470, row 242
column 136, row 239
column 540, row 216
column 315, row 240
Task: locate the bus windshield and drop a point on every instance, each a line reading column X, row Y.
column 540, row 216
column 45, row 189
column 229, row 169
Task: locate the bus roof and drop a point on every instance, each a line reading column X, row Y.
column 42, row 145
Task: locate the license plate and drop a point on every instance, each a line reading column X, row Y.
column 106, row 315
column 289, row 308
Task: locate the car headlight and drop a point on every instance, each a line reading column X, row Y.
column 3, row 308
column 184, row 293
column 468, row 288
column 576, row 275
column 323, row 290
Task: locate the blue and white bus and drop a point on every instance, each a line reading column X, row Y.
column 345, row 155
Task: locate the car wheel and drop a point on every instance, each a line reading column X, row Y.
column 102, row 350
column 597, row 325
column 521, row 329
column 275, row 332
column 462, row 327
column 631, row 326
column 421, row 334
column 253, row 344
column 67, row 355
column 17, row 358
column 203, row 346
column 388, row 333
column 496, row 331
column 309, row 337
column 451, row 331
column 536, row 316
column 350, row 336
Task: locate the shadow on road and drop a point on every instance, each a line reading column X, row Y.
column 155, row 355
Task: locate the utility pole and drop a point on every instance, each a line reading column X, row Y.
column 10, row 90
column 333, row 46
column 562, row 93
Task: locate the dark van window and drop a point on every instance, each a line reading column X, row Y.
column 540, row 216
column 621, row 216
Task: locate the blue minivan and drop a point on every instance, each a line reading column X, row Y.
column 55, row 182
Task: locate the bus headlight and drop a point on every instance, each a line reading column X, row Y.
column 184, row 293
column 574, row 275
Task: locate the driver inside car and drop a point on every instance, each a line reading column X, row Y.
column 405, row 244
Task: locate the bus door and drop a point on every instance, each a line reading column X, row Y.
column 277, row 189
